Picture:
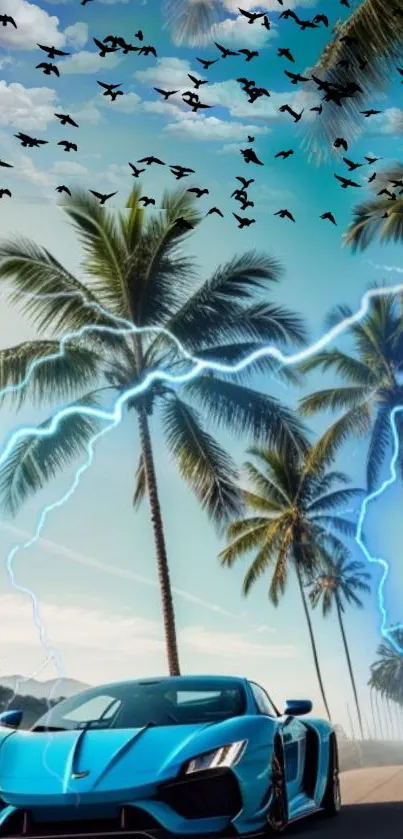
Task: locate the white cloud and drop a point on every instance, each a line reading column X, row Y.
column 29, row 109
column 266, row 5
column 6, row 61
column 87, row 113
column 126, row 104
column 77, row 34
column 168, row 72
column 389, row 121
column 237, row 33
column 197, row 127
column 229, row 94
column 34, row 25
column 88, row 62
column 68, row 167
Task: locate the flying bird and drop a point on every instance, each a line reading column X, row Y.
column 284, row 154
column 251, row 16
column 294, row 114
column 181, row 171
column 285, row 214
column 243, row 221
column 244, row 182
column 249, row 54
column 295, row 77
column 351, row 165
column 206, row 64
column 102, row 197
column 225, row 52
column 30, row 142
column 103, row 49
column 5, row 19
column 109, row 87
column 147, row 201
column 197, row 191
column 66, row 119
column 135, row 171
column 5, row 192
column 249, row 156
column 47, row 68
column 6, row 165
column 150, row 159
column 166, row 93
column 139, row 35
column 340, row 142
column 52, row 51
column 345, row 182
column 372, row 160
column 184, row 224
column 150, row 50
column 216, row 211
column 329, row 216
column 197, row 82
column 63, row 188
column 284, row 52
column 370, row 113
column 67, row 145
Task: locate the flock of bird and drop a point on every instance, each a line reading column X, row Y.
column 327, row 92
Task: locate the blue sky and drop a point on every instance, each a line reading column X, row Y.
column 94, row 569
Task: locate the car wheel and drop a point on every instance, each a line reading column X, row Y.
column 277, row 815
column 331, row 802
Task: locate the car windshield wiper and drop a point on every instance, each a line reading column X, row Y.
column 42, row 728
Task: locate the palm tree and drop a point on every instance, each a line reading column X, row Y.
column 192, row 21
column 382, row 216
column 364, row 49
column 135, row 268
column 294, row 524
column 387, row 671
column 373, row 383
column 339, row 583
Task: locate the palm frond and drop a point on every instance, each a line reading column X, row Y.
column 270, row 490
column 41, row 371
column 349, row 368
column 247, row 412
column 380, row 217
column 35, row 460
column 105, row 254
column 208, row 469
column 243, row 544
column 377, row 33
column 236, row 353
column 34, row 272
column 191, row 21
column 332, row 399
column 379, row 444
column 337, row 523
column 355, row 422
column 334, row 500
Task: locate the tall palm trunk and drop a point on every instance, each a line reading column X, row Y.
column 379, row 715
column 349, row 665
column 168, row 613
column 311, row 635
column 374, row 725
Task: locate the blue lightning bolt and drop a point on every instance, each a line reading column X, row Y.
column 114, row 415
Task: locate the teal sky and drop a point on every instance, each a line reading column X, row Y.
column 93, row 570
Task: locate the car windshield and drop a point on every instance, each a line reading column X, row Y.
column 139, row 704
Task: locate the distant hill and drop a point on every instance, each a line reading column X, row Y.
column 39, row 690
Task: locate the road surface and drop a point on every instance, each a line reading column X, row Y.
column 372, row 808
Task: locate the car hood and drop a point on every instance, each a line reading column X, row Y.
column 85, row 761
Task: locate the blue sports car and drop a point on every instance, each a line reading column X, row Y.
column 173, row 756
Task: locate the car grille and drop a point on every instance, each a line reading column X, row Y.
column 208, row 794
column 131, row 822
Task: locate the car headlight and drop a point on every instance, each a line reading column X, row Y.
column 218, row 758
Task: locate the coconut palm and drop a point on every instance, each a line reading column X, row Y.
column 381, row 217
column 294, row 524
column 192, row 21
column 372, row 376
column 387, row 671
column 364, row 48
column 135, row 268
column 336, row 586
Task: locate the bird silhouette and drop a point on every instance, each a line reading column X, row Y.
column 216, row 211
column 166, row 93
column 294, row 114
column 63, row 188
column 351, row 165
column 147, row 201
column 321, row 19
column 67, row 145
column 102, row 196
column 135, row 171
column 295, row 77
column 329, row 216
column 284, row 154
column 84, row 2
column 150, row 159
column 243, row 221
column 251, row 16
column 6, row 19
column 197, row 191
column 66, row 119
column 285, row 214
column 249, row 54
column 370, row 113
column 52, row 51
column 183, row 224
column 340, row 142
column 197, row 82
column 150, row 50
column 103, row 48
column 225, row 52
column 372, row 178
column 345, row 182
column 7, row 165
column 371, row 160
column 30, row 142
column 249, row 156
column 139, row 35
column 109, row 88
column 245, row 182
column 5, row 192
column 47, row 68
column 284, row 52
column 181, row 171
column 206, row 64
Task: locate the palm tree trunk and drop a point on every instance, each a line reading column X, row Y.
column 379, row 715
column 311, row 636
column 168, row 613
column 374, row 725
column 349, row 665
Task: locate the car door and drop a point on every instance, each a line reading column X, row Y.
column 294, row 742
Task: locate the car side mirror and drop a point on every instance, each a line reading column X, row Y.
column 297, row 707
column 11, row 719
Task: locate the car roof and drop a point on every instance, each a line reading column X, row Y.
column 179, row 680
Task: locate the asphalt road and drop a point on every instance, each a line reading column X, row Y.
column 372, row 808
